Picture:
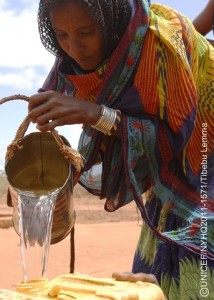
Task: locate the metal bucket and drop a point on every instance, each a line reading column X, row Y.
column 39, row 166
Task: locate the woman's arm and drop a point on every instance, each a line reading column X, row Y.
column 51, row 109
column 204, row 21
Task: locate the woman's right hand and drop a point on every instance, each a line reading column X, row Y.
column 51, row 109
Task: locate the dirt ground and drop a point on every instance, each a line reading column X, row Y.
column 104, row 243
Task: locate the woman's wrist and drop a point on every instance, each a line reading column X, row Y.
column 106, row 120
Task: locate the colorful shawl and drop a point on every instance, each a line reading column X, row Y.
column 161, row 78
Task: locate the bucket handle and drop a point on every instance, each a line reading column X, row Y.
column 71, row 155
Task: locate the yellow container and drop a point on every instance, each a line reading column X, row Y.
column 36, row 287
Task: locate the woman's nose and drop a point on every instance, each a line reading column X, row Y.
column 74, row 46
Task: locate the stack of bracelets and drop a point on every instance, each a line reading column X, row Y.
column 106, row 120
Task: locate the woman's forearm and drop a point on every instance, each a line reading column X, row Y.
column 204, row 21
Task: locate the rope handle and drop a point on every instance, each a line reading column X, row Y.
column 71, row 155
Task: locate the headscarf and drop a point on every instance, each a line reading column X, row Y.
column 112, row 16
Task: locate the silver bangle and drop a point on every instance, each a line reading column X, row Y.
column 106, row 120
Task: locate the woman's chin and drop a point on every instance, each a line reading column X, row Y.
column 88, row 68
column 88, row 65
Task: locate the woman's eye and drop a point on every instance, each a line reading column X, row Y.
column 86, row 33
column 61, row 35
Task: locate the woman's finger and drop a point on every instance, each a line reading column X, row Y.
column 48, row 126
column 39, row 99
column 143, row 277
column 122, row 276
column 129, row 276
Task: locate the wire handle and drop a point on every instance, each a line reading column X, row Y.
column 71, row 155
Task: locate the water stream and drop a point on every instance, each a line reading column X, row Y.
column 35, row 223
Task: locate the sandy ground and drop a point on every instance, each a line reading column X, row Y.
column 104, row 243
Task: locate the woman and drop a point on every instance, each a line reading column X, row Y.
column 139, row 79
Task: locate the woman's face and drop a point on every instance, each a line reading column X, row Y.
column 78, row 34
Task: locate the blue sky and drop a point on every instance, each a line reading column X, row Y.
column 24, row 63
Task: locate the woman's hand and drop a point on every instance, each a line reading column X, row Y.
column 51, row 109
column 128, row 276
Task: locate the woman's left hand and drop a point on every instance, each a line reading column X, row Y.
column 129, row 276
